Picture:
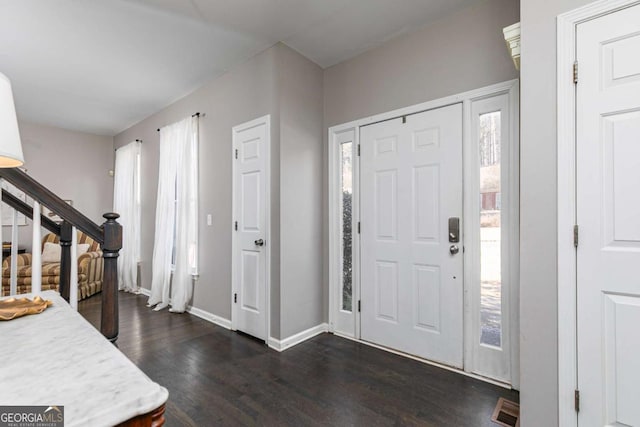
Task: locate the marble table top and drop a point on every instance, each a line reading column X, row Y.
column 58, row 358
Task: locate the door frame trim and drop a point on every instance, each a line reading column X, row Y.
column 566, row 199
column 266, row 120
column 334, row 214
column 510, row 239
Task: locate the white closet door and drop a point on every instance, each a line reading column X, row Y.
column 250, row 144
column 608, row 216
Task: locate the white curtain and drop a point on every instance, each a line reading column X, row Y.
column 176, row 236
column 126, row 202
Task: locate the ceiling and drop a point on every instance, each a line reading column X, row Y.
column 100, row 66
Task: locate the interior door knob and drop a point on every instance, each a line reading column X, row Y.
column 259, row 242
column 454, row 249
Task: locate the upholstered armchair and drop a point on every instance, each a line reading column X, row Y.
column 90, row 268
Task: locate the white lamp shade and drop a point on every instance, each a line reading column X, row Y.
column 10, row 146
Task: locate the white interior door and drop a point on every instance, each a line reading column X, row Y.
column 608, row 216
column 411, row 284
column 251, row 146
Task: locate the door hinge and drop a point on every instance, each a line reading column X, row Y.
column 359, row 306
column 235, row 298
column 576, row 232
column 577, row 400
column 358, row 227
column 236, row 226
column 575, row 72
column 404, row 119
column 358, row 150
column 236, row 153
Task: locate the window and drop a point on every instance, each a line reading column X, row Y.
column 175, row 253
column 127, row 202
column 490, row 230
column 346, row 157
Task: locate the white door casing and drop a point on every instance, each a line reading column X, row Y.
column 250, row 296
column 493, row 361
column 608, row 217
column 410, row 185
column 343, row 320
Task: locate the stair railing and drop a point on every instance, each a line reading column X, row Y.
column 108, row 235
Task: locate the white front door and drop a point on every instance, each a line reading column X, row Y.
column 608, row 216
column 411, row 282
column 250, row 145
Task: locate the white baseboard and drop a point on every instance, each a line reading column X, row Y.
column 209, row 317
column 281, row 345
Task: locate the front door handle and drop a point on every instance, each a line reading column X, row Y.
column 259, row 242
column 454, row 249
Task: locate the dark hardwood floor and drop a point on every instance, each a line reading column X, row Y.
column 218, row 377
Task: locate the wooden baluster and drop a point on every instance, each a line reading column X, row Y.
column 73, row 281
column 112, row 232
column 36, row 253
column 13, row 284
column 66, row 235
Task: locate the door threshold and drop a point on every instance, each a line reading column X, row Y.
column 428, row 362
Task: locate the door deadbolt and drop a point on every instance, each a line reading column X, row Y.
column 259, row 242
column 454, row 229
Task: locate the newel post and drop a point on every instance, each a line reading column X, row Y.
column 65, row 260
column 112, row 232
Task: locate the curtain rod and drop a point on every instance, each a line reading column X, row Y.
column 137, row 140
column 196, row 114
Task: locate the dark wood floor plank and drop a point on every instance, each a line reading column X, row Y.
column 218, row 377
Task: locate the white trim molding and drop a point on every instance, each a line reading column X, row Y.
column 501, row 363
column 209, row 317
column 205, row 315
column 284, row 344
column 342, row 321
column 512, row 37
column 566, row 193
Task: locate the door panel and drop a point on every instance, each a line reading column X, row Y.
column 426, row 297
column 426, row 196
column 249, row 258
column 250, row 282
column 386, row 204
column 608, row 214
column 386, row 283
column 250, row 194
column 411, row 183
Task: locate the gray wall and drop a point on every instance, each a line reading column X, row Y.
column 463, row 51
column 74, row 165
column 538, row 231
column 244, row 93
column 286, row 85
column 301, row 154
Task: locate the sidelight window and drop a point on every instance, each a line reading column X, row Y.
column 490, row 230
column 346, row 164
